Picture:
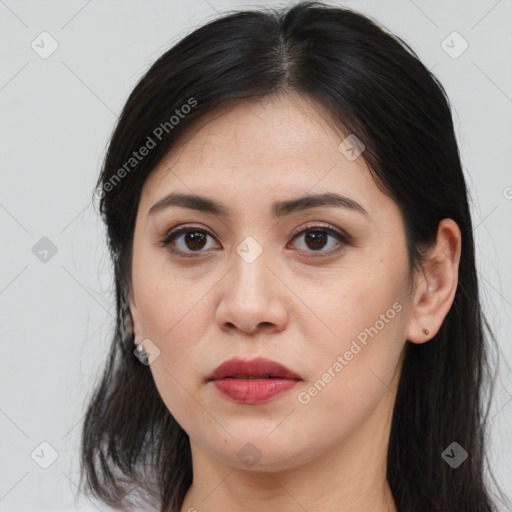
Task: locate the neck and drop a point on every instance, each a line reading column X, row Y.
column 291, row 492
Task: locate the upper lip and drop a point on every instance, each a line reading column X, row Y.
column 259, row 367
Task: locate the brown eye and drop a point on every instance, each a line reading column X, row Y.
column 316, row 239
column 195, row 240
column 186, row 240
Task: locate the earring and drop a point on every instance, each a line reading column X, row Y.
column 426, row 331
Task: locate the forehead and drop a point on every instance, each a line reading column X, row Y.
column 272, row 128
column 280, row 146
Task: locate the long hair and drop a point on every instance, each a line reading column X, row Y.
column 375, row 87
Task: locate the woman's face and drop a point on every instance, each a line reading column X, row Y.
column 254, row 283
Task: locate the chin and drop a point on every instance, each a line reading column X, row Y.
column 258, row 453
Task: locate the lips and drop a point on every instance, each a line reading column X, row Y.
column 253, row 382
column 259, row 368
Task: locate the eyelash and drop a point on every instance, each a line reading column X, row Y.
column 171, row 235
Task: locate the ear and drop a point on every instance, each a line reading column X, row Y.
column 134, row 313
column 436, row 284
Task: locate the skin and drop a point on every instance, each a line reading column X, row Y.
column 291, row 305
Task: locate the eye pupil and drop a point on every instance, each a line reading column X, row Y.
column 317, row 238
column 195, row 237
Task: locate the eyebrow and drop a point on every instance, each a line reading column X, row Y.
column 279, row 208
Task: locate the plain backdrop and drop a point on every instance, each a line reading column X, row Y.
column 57, row 112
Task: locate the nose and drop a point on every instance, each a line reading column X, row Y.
column 253, row 298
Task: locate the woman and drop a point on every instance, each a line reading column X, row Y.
column 298, row 315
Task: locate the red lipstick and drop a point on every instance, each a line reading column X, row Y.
column 253, row 382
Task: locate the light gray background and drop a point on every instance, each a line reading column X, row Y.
column 56, row 117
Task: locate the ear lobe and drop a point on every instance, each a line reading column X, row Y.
column 436, row 287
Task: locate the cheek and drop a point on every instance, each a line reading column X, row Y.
column 368, row 299
column 172, row 312
column 175, row 309
column 176, row 326
column 177, row 323
column 354, row 372
column 355, row 354
column 169, row 298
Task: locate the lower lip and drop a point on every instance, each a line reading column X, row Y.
column 253, row 391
